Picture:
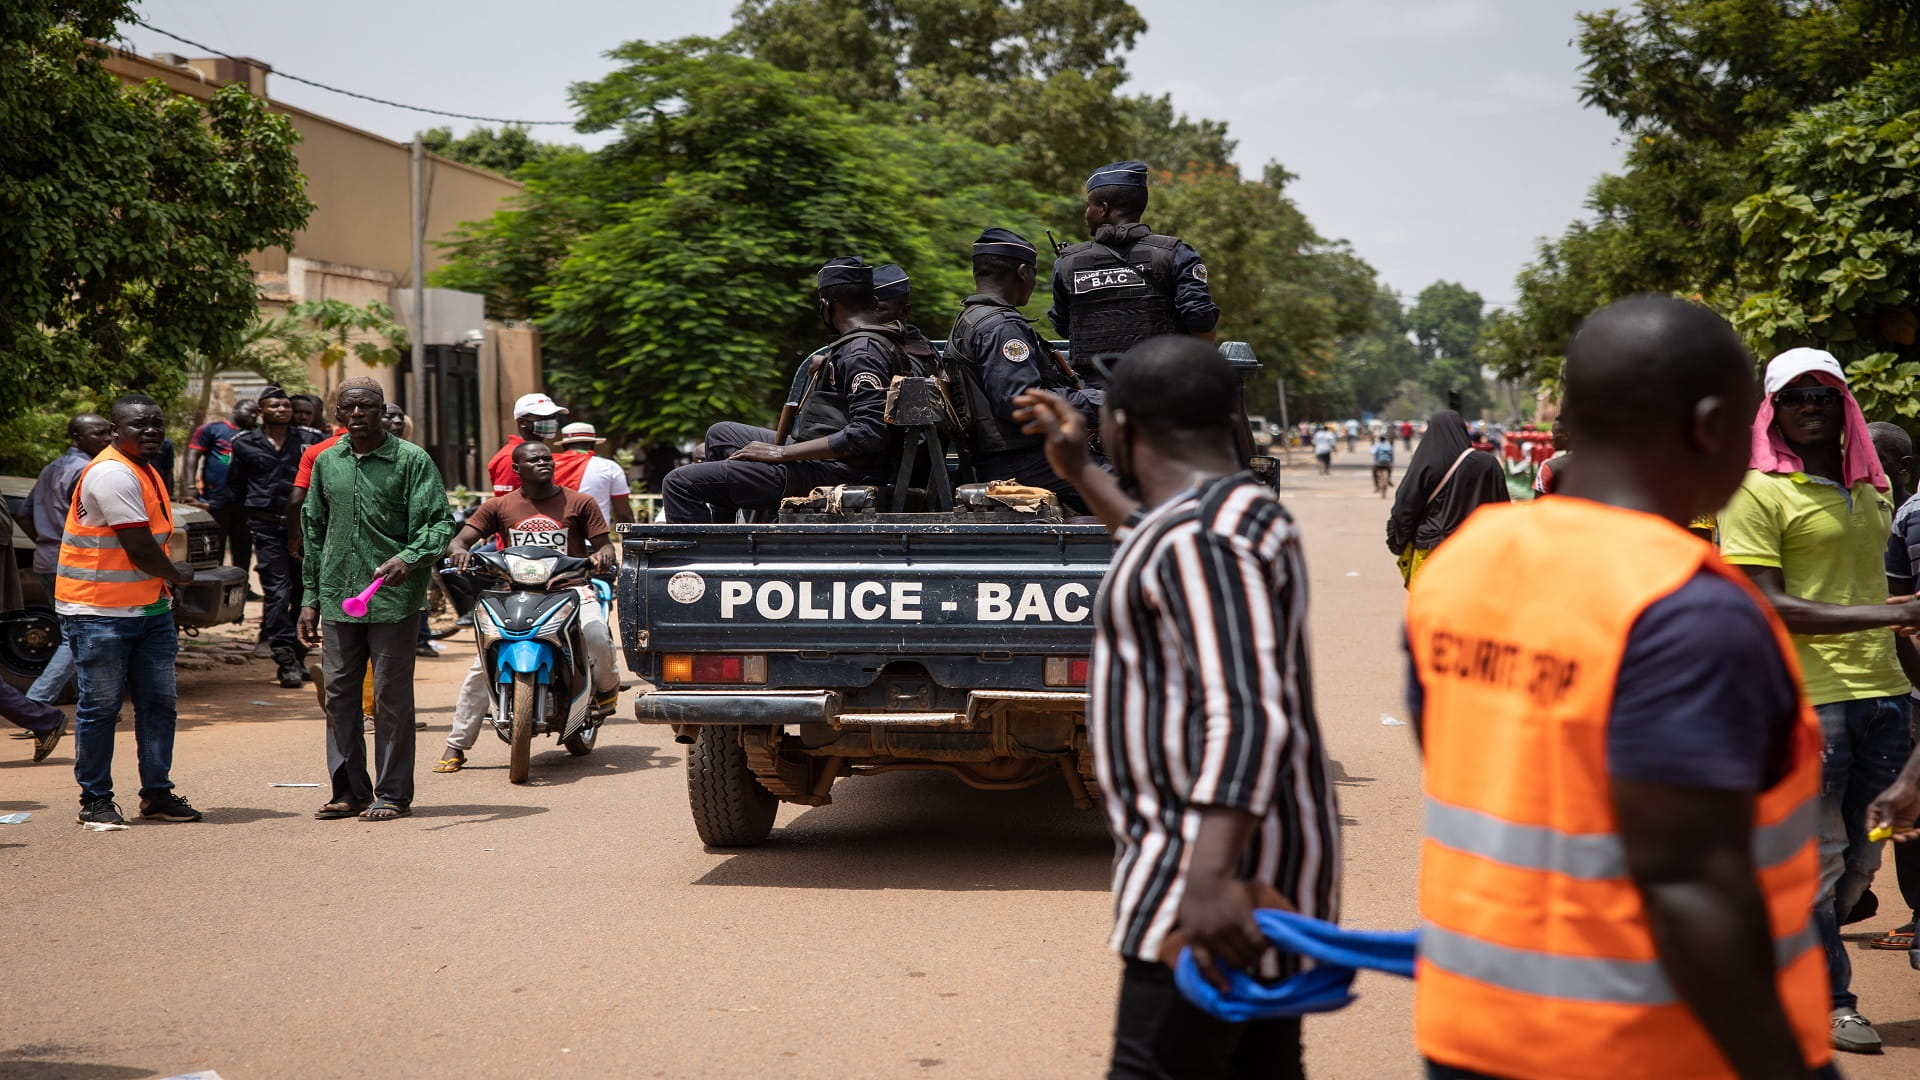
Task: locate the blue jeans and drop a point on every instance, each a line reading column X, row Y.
column 118, row 659
column 59, row 670
column 1866, row 743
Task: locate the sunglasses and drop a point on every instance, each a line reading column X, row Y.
column 1800, row 397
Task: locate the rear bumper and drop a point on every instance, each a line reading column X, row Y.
column 781, row 707
column 766, row 707
column 216, row 595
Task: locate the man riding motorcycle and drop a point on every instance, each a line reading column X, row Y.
column 540, row 513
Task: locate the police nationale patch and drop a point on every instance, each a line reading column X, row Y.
column 1200, row 273
column 1015, row 350
column 866, row 380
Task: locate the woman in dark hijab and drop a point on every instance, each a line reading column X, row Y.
column 1446, row 481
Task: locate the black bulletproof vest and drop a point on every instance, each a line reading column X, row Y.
column 1119, row 294
column 825, row 411
column 986, row 432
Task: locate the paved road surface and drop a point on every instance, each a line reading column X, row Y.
column 575, row 927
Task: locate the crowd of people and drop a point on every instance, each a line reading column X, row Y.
column 1657, row 784
column 316, row 527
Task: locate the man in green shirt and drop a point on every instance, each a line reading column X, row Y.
column 376, row 510
column 1809, row 526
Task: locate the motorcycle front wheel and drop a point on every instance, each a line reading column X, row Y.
column 521, row 753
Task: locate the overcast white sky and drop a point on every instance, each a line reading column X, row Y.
column 1441, row 137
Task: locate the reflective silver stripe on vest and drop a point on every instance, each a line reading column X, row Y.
column 77, row 573
column 96, row 542
column 1591, row 856
column 1573, row 978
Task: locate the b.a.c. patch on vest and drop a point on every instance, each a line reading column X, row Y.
column 1113, row 277
column 866, row 380
column 1015, row 350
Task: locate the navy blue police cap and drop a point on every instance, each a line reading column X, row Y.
column 1007, row 243
column 845, row 270
column 1119, row 174
column 890, row 282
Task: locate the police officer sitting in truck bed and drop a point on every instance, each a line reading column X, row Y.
column 1128, row 283
column 994, row 356
column 840, row 434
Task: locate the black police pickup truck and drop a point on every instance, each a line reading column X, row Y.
column 868, row 630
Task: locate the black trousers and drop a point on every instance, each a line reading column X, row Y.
column 389, row 648
column 235, row 535
column 1159, row 1035
column 22, row 711
column 277, row 584
column 716, row 489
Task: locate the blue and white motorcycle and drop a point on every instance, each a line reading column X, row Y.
column 528, row 634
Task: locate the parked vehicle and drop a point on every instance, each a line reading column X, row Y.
column 528, row 634
column 218, row 594
column 841, row 639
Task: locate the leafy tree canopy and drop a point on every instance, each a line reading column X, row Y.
column 505, row 150
column 1699, row 88
column 126, row 216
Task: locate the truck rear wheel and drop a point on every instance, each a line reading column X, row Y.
column 730, row 807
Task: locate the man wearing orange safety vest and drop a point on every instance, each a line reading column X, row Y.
column 1622, row 775
column 111, row 595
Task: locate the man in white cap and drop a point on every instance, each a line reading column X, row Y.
column 1809, row 525
column 602, row 478
column 537, row 419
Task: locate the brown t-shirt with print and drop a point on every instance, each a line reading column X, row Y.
column 567, row 521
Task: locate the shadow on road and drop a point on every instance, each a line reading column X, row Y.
column 557, row 767
column 10, row 807
column 247, row 815
column 1900, row 1033
column 14, row 1069
column 468, row 814
column 930, row 831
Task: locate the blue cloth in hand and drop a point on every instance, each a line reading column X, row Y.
column 1322, row 988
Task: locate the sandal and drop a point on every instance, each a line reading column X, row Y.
column 385, row 811
column 1899, row 940
column 452, row 762
column 334, row 811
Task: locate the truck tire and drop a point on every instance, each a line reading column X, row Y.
column 730, row 807
column 521, row 751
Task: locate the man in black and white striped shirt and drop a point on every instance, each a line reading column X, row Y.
column 1200, row 707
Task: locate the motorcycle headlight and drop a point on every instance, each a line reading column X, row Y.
column 527, row 571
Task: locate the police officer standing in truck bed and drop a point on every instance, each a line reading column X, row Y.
column 1128, row 283
column 995, row 356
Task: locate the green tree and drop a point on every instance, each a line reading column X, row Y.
column 1446, row 321
column 1039, row 77
column 1836, row 236
column 1698, row 87
column 126, row 216
column 676, row 271
column 1380, row 360
column 504, row 150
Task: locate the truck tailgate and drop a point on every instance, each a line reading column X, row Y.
column 860, row 588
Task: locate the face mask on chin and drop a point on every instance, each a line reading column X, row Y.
column 546, row 429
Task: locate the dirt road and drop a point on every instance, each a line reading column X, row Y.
column 575, row 927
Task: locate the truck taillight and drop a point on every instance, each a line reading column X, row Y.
column 713, row 668
column 1065, row 671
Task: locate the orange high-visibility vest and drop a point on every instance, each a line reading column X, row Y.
column 1536, row 958
column 94, row 567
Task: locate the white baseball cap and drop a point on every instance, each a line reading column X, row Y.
column 1794, row 363
column 537, row 405
column 580, row 433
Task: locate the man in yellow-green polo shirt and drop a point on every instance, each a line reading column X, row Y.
column 1809, row 525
